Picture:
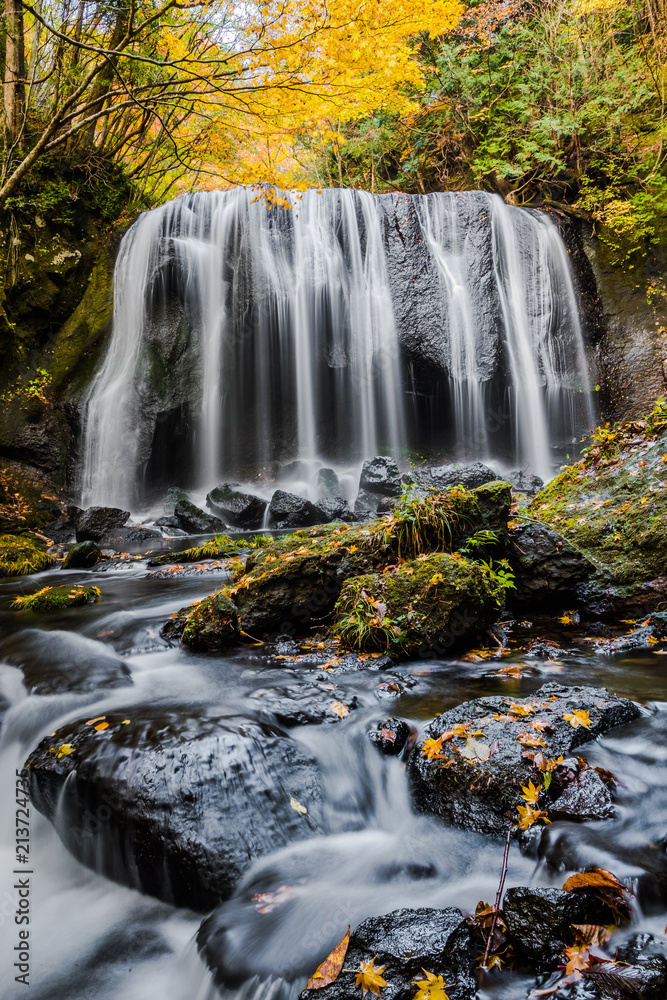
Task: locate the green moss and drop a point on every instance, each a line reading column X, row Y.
column 426, row 604
column 213, row 624
column 219, row 547
column 22, row 554
column 54, row 598
column 612, row 505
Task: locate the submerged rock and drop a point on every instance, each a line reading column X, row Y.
column 56, row 661
column 390, row 737
column 477, row 785
column 243, row 510
column 380, row 475
column 96, row 522
column 408, row 943
column 287, row 510
column 192, row 519
column 175, row 803
column 546, row 567
column 82, row 555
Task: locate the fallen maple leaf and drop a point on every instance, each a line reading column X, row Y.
column 578, row 718
column 63, row 750
column 431, row 748
column 531, row 792
column 370, row 978
column 101, row 726
column 329, row 970
column 521, row 710
column 431, row 988
column 301, row 810
column 474, row 750
column 528, row 816
column 529, row 740
column 339, row 709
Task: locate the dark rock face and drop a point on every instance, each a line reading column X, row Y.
column 483, row 795
column 407, row 942
column 191, row 518
column 366, row 504
column 131, row 535
column 334, row 509
column 169, row 522
column 176, row 804
column 470, row 475
column 390, row 737
column 381, row 475
column 586, row 797
column 83, row 555
column 306, row 704
column 538, row 921
column 96, row 522
column 328, row 483
column 55, row 662
column 546, row 567
column 287, row 510
column 243, row 510
column 524, row 482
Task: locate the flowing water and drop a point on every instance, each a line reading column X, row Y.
column 93, row 938
column 341, row 327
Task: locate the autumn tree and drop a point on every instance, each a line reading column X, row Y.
column 196, row 92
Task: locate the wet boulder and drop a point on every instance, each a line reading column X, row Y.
column 546, row 567
column 55, row 662
column 407, row 943
column 21, row 555
column 490, row 748
column 470, row 475
column 287, row 510
column 129, row 536
column 334, row 508
column 175, row 803
column 380, row 475
column 192, row 519
column 96, row 522
column 242, row 510
column 390, row 737
column 328, row 483
column 366, row 504
column 539, row 921
column 82, row 555
column 524, row 482
column 307, row 704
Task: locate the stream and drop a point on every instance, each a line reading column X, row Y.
column 93, row 938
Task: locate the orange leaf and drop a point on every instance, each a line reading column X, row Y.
column 329, row 970
column 578, row 718
column 339, row 709
column 528, row 740
column 594, row 878
column 101, row 726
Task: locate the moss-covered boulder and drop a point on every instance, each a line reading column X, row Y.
column 219, row 547
column 296, row 579
column 424, row 607
column 612, row 506
column 23, row 554
column 83, row 555
column 57, row 598
column 212, row 624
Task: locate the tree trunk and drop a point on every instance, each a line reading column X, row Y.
column 105, row 78
column 14, row 69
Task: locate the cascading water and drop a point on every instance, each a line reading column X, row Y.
column 341, row 327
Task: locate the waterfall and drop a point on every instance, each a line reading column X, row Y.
column 332, row 325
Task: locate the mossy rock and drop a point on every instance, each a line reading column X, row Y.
column 220, row 547
column 213, row 624
column 612, row 505
column 83, row 555
column 21, row 555
column 296, row 579
column 425, row 607
column 56, row 598
column 23, row 505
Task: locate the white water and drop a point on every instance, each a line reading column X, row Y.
column 276, row 329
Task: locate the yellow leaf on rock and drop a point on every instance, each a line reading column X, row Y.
column 431, row 988
column 330, row 968
column 369, row 978
column 531, row 792
column 578, row 718
column 339, row 709
column 64, row 750
column 302, row 811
